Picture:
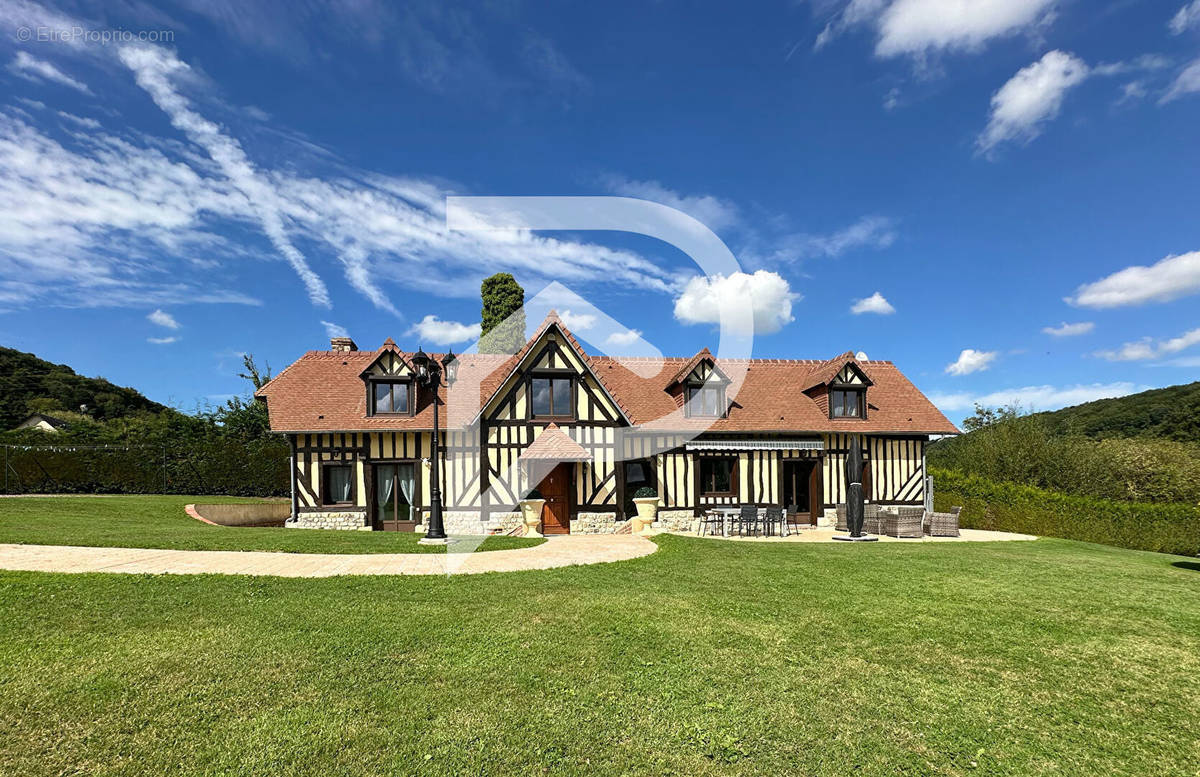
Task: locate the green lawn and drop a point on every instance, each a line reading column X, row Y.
column 160, row 522
column 707, row 657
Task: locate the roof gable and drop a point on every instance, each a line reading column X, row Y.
column 845, row 369
column 389, row 362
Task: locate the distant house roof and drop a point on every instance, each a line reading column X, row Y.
column 323, row 391
column 42, row 420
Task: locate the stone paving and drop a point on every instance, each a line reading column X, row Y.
column 562, row 551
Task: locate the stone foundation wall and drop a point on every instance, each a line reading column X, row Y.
column 349, row 519
column 595, row 523
column 675, row 520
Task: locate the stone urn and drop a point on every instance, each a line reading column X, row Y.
column 531, row 515
column 647, row 512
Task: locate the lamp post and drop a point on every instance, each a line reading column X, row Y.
column 429, row 375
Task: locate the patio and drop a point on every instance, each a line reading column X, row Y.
column 827, row 534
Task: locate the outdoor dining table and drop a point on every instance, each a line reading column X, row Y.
column 729, row 513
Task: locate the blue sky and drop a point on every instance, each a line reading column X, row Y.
column 934, row 182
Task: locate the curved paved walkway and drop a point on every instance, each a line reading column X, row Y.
column 555, row 552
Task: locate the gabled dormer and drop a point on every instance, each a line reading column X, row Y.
column 389, row 383
column 840, row 386
column 700, row 386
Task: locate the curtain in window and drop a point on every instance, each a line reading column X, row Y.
column 337, row 483
column 386, row 483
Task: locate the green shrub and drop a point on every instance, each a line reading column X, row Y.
column 987, row 504
column 645, row 492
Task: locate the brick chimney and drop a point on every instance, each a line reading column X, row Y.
column 342, row 344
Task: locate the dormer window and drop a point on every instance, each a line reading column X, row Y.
column 706, row 401
column 848, row 403
column 391, row 397
column 551, row 396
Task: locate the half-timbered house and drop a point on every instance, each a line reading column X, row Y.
column 587, row 431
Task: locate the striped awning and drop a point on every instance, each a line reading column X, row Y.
column 756, row 445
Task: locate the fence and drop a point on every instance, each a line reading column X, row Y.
column 215, row 466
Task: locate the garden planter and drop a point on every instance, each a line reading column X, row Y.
column 647, row 511
column 531, row 516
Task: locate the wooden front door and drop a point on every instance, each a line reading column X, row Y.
column 801, row 490
column 556, row 489
column 395, row 492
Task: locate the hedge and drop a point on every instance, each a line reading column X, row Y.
column 209, row 466
column 1164, row 528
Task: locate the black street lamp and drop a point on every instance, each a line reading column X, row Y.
column 429, row 375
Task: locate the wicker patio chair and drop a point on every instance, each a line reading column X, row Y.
column 747, row 520
column 873, row 519
column 944, row 524
column 773, row 521
column 905, row 522
column 841, row 518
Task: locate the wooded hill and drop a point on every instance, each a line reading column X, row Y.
column 1171, row 413
column 32, row 385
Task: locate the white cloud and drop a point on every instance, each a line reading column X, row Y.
column 873, row 304
column 333, row 330
column 923, row 27
column 153, row 68
column 768, row 294
column 1148, row 348
column 714, row 212
column 577, row 322
column 1187, row 16
column 162, row 340
column 1070, row 330
column 623, row 339
column 82, row 121
column 1031, row 98
column 1036, row 397
column 439, row 332
column 1187, row 82
column 163, row 318
column 34, row 69
column 1168, row 279
column 876, row 232
column 970, row 361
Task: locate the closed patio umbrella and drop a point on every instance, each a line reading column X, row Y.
column 854, row 491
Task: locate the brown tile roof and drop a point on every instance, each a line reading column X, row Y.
column 554, row 444
column 324, row 391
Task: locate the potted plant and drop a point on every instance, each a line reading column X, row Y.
column 646, row 499
column 531, row 513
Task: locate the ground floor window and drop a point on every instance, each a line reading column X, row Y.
column 718, row 476
column 338, row 485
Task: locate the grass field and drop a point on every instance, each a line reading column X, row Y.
column 160, row 522
column 707, row 657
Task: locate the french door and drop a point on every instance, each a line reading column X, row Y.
column 395, row 497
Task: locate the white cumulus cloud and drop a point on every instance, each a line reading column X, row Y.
column 577, row 322
column 971, row 360
column 439, row 332
column 923, row 27
column 1168, row 279
column 1031, row 98
column 623, row 339
column 767, row 293
column 1070, row 330
column 163, row 318
column 876, row 303
column 1148, row 348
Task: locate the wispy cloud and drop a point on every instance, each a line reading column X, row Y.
column 1187, row 82
column 333, row 330
column 714, row 212
column 1168, row 279
column 162, row 340
column 971, row 360
column 1069, row 330
column 772, row 250
column 1036, row 397
column 1187, row 17
column 1148, row 348
column 1031, row 98
column 34, row 69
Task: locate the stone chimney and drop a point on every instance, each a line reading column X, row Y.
column 342, row 344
